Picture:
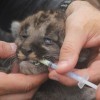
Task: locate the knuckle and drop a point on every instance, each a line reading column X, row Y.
column 67, row 48
column 27, row 87
column 68, row 51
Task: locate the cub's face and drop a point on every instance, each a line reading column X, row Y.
column 38, row 37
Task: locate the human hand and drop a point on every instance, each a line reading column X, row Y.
column 17, row 86
column 98, row 93
column 82, row 31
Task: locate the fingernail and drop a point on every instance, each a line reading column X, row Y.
column 13, row 47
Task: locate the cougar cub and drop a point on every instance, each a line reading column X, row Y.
column 40, row 36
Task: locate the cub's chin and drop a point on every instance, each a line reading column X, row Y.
column 32, row 67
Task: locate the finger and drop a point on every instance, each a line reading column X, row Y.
column 90, row 72
column 77, row 35
column 13, row 83
column 71, row 47
column 62, row 78
column 98, row 93
column 93, row 71
column 76, row 5
column 7, row 49
column 66, row 80
column 19, row 96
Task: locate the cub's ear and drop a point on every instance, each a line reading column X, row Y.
column 15, row 27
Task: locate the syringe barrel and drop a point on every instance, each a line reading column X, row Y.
column 81, row 79
column 74, row 76
column 71, row 74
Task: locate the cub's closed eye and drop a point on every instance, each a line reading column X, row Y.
column 48, row 41
column 24, row 36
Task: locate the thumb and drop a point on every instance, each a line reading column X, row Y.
column 73, row 43
column 7, row 49
column 16, row 83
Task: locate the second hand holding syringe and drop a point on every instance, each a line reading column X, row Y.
column 81, row 80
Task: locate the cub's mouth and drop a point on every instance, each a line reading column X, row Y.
column 29, row 64
column 35, row 62
column 32, row 67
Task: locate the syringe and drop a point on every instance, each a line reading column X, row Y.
column 81, row 80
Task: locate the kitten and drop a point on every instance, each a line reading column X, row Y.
column 40, row 36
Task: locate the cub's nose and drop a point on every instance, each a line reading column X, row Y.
column 26, row 51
